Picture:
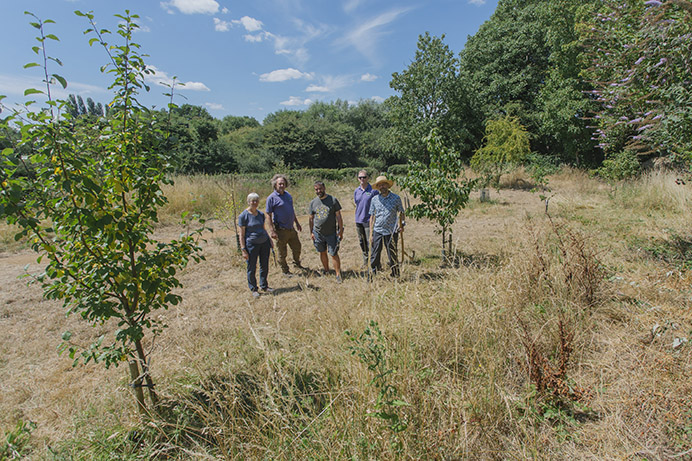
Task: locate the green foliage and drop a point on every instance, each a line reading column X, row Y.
column 371, row 348
column 437, row 185
column 620, row 165
column 638, row 62
column 539, row 167
column 91, row 207
column 506, row 147
column 428, row 95
column 524, row 56
column 16, row 443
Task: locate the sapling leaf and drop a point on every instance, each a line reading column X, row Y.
column 60, row 79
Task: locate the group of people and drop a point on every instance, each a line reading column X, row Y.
column 379, row 220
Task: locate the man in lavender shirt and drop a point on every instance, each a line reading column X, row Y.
column 362, row 197
column 282, row 216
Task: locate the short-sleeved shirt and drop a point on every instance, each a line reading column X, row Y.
column 324, row 212
column 362, row 200
column 385, row 211
column 254, row 227
column 281, row 205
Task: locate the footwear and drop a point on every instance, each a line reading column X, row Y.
column 255, row 294
column 324, row 272
column 268, row 290
column 338, row 279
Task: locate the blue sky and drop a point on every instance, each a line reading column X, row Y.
column 240, row 57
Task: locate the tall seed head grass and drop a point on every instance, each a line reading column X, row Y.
column 658, row 190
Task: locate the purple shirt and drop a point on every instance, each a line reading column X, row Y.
column 282, row 208
column 362, row 200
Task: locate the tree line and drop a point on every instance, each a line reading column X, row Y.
column 589, row 82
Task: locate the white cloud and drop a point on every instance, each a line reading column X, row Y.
column 160, row 77
column 350, row 5
column 378, row 98
column 317, row 89
column 281, row 75
column 291, row 47
column 250, row 24
column 195, row 86
column 192, row 6
column 296, row 101
column 329, row 84
column 477, row 2
column 253, row 38
column 368, row 78
column 364, row 38
column 222, row 26
column 12, row 85
column 213, row 106
column 224, row 10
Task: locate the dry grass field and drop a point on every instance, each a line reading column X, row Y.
column 559, row 336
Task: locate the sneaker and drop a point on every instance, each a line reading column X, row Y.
column 338, row 279
column 255, row 294
column 268, row 290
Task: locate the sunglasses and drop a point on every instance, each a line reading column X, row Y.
column 362, row 177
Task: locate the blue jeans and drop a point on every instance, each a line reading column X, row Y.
column 256, row 251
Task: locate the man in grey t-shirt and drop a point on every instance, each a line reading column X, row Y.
column 326, row 227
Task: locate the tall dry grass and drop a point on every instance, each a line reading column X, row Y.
column 657, row 190
column 278, row 379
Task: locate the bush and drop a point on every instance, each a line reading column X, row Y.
column 619, row 166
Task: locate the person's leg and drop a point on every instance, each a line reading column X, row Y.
column 337, row 264
column 375, row 251
column 333, row 250
column 264, row 251
column 363, row 229
column 253, row 252
column 325, row 260
column 392, row 259
column 294, row 243
column 281, row 249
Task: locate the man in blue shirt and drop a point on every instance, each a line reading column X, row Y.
column 282, row 216
column 383, row 222
column 362, row 197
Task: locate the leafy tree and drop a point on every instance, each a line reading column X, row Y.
column 197, row 146
column 437, row 185
column 91, row 207
column 506, row 147
column 302, row 141
column 523, row 62
column 231, row 123
column 640, row 68
column 246, row 145
column 427, row 89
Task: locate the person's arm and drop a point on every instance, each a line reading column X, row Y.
column 246, row 255
column 340, row 224
column 272, row 228
column 311, row 222
column 295, row 220
column 372, row 225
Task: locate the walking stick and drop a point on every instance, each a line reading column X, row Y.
column 271, row 245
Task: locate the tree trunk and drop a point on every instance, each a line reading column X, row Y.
column 451, row 255
column 136, row 383
column 444, row 240
column 145, row 373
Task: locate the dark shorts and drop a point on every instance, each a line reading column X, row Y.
column 329, row 243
